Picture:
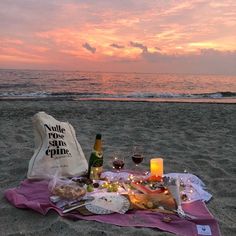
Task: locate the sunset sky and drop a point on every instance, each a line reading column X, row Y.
column 173, row 36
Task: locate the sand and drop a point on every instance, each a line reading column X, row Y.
column 197, row 137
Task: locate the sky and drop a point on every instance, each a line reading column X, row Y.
column 162, row 36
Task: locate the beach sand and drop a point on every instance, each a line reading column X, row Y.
column 197, row 137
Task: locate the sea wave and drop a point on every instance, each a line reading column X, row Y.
column 16, row 85
column 26, row 95
column 192, row 96
column 75, row 95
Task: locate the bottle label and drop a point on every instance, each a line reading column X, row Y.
column 99, row 154
column 97, row 159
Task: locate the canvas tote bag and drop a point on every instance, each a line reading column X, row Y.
column 57, row 151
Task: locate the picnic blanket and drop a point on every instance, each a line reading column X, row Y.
column 35, row 195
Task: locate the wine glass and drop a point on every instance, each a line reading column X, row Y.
column 118, row 161
column 137, row 155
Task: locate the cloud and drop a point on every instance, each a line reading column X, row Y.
column 150, row 32
column 114, row 45
column 139, row 45
column 206, row 61
column 89, row 47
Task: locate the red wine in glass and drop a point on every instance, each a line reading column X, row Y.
column 137, row 158
column 118, row 164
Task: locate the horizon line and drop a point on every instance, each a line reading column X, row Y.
column 119, row 72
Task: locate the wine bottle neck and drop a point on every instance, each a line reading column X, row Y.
column 98, row 145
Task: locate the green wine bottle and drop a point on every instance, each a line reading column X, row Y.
column 96, row 159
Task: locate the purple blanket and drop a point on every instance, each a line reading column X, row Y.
column 35, row 195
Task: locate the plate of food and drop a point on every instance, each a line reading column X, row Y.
column 152, row 193
column 149, row 186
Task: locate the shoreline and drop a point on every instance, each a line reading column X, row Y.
column 159, row 100
column 193, row 136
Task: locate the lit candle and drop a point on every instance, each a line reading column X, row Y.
column 156, row 166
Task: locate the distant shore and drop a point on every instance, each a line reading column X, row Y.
column 197, row 137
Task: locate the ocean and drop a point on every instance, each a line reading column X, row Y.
column 79, row 85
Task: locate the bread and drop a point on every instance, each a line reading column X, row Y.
column 69, row 191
